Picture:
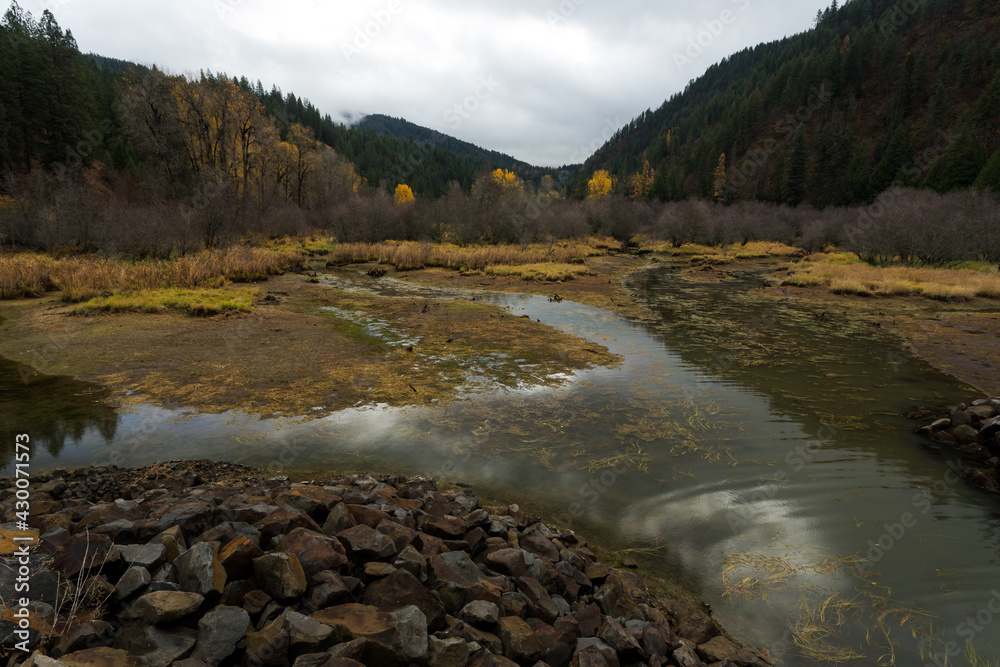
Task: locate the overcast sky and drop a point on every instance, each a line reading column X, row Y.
column 546, row 81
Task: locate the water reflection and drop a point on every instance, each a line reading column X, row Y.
column 54, row 411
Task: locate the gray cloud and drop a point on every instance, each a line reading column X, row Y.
column 566, row 67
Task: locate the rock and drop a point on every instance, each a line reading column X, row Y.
column 199, row 570
column 624, row 644
column 692, row 623
column 959, row 418
column 83, row 552
column 451, row 652
column 316, row 552
column 457, row 581
column 269, row 646
column 594, row 651
column 283, row 521
column 280, row 575
column 402, row 589
column 306, row 635
column 510, row 562
column 149, row 556
column 228, row 531
column 446, row 527
column 134, row 579
column 338, row 520
column 219, row 631
column 480, row 613
column 964, row 434
column 357, row 621
column 236, row 558
column 540, row 604
column 328, row 589
column 173, row 541
column 518, row 640
column 100, row 657
column 87, row 634
column 170, row 645
column 166, row 607
column 686, row 657
column 312, row 500
column 720, row 649
column 365, row 543
column 412, row 626
column 981, row 412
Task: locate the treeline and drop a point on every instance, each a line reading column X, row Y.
column 879, row 94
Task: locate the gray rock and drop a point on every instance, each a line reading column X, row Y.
column 219, row 631
column 280, row 575
column 134, row 579
column 964, row 434
column 450, row 652
column 305, row 634
column 480, row 613
column 170, row 645
column 149, row 556
column 412, row 626
column 412, row 561
column 199, row 571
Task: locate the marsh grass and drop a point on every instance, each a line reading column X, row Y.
column 750, row 250
column 410, row 255
column 539, row 272
column 200, row 302
column 85, row 278
column 843, row 273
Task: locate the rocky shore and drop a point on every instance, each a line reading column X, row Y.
column 203, row 563
column 972, row 433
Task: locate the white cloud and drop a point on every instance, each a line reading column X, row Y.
column 568, row 67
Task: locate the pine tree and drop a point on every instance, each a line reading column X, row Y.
column 988, row 106
column 898, row 151
column 794, row 184
column 960, row 165
column 989, row 177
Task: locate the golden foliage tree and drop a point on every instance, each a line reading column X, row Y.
column 642, row 182
column 600, row 185
column 404, row 195
column 720, row 179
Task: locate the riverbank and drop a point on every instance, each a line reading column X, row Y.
column 200, row 562
column 306, row 349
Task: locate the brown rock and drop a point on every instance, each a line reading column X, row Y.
column 458, row 581
column 237, row 557
column 280, row 575
column 377, row 629
column 165, row 607
column 519, row 642
column 328, row 589
column 316, row 552
column 82, row 552
column 269, row 646
column 100, row 657
column 313, row 500
column 400, row 535
column 199, row 570
column 365, row 543
column 173, row 539
column 540, row 604
column 338, row 520
column 282, row 522
column 367, row 516
column 509, row 562
column 401, row 589
column 446, row 527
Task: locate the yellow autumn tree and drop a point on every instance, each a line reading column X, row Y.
column 642, row 182
column 404, row 195
column 720, row 179
column 599, row 185
column 507, row 181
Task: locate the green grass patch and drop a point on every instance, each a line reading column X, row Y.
column 200, row 302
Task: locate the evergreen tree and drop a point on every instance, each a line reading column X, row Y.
column 988, row 106
column 897, row 153
column 960, row 165
column 794, row 184
column 989, row 177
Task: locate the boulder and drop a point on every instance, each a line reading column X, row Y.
column 199, row 570
column 401, row 589
column 219, row 632
column 280, row 575
column 166, row 607
column 316, row 552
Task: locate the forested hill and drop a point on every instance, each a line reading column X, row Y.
column 878, row 93
column 406, row 131
column 55, row 100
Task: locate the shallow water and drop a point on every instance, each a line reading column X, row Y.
column 755, row 442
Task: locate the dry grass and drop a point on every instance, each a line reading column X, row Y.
column 842, row 273
column 409, row 255
column 751, row 250
column 84, row 278
column 201, row 302
column 541, row 272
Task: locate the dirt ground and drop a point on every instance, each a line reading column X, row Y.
column 291, row 357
